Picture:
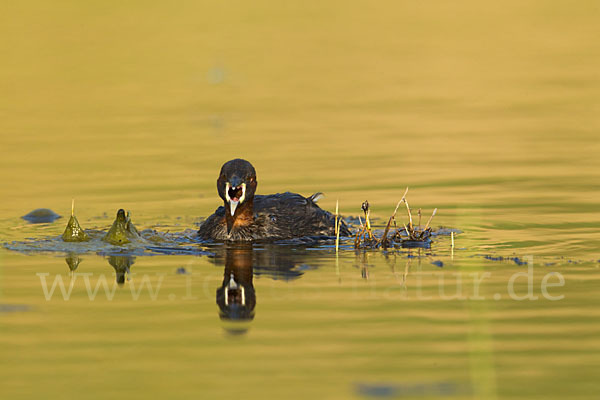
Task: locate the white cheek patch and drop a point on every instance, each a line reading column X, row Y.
column 243, row 193
column 227, row 192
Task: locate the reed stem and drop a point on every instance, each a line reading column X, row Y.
column 337, row 226
column 430, row 218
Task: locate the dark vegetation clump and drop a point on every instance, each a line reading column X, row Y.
column 406, row 235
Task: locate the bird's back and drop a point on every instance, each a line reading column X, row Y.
column 278, row 216
column 292, row 215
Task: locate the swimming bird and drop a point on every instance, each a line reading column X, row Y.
column 245, row 216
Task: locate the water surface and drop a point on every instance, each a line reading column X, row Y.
column 487, row 112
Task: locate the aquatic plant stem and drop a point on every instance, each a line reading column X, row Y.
column 337, row 240
column 392, row 218
column 359, row 233
column 410, row 223
column 452, row 245
column 336, row 214
column 367, row 211
column 337, row 226
column 430, row 218
column 369, row 224
column 408, row 234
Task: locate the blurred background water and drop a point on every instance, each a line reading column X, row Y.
column 488, row 112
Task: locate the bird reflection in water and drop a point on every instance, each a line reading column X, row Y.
column 236, row 297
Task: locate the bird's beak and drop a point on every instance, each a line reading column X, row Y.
column 233, row 202
column 234, row 286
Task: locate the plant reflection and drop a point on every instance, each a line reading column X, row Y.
column 122, row 266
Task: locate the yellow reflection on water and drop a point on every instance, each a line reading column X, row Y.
column 489, row 112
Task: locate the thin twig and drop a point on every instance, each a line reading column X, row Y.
column 404, row 195
column 360, row 233
column 385, row 232
column 392, row 218
column 430, row 218
column 410, row 224
column 337, row 226
column 452, row 247
column 336, row 215
column 367, row 211
column 369, row 224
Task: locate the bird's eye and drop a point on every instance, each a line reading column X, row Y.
column 251, row 179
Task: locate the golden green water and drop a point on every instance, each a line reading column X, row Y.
column 487, row 111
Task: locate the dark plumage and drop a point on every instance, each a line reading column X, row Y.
column 256, row 217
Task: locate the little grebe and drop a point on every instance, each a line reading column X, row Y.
column 246, row 217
